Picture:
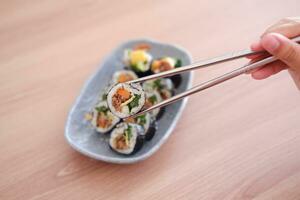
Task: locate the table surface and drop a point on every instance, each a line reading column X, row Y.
column 238, row 140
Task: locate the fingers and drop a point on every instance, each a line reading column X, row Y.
column 268, row 70
column 256, row 46
column 283, row 49
column 290, row 27
column 275, row 41
column 255, row 59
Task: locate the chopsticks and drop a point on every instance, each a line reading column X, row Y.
column 212, row 82
column 200, row 64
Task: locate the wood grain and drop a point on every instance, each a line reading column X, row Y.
column 239, row 140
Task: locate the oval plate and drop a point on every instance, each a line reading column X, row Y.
column 83, row 138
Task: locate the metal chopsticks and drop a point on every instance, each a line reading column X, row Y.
column 211, row 82
column 200, row 64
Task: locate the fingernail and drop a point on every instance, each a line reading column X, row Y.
column 270, row 43
column 255, row 46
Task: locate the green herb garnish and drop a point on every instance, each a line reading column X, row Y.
column 157, row 84
column 104, row 97
column 152, row 99
column 139, row 67
column 178, row 63
column 102, row 109
column 141, row 120
column 128, row 134
column 134, row 102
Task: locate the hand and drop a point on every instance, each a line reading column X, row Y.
column 275, row 41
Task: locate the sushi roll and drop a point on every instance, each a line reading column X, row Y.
column 138, row 60
column 126, row 138
column 164, row 64
column 152, row 98
column 125, row 99
column 147, row 122
column 123, row 76
column 163, row 86
column 102, row 119
column 158, row 84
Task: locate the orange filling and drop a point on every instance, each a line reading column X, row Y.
column 124, row 78
column 103, row 121
column 142, row 46
column 121, row 96
column 160, row 66
column 121, row 142
column 148, row 104
column 130, row 120
column 125, row 94
column 164, row 94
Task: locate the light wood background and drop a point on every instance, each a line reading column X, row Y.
column 239, row 140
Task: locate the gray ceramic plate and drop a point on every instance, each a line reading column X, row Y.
column 82, row 137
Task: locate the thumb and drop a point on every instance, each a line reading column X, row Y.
column 283, row 49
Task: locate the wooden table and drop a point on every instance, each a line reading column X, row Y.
column 239, row 140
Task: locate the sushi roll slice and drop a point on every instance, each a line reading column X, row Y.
column 127, row 138
column 152, row 98
column 163, row 86
column 138, row 60
column 124, row 76
column 102, row 119
column 125, row 99
column 158, row 84
column 164, row 64
column 147, row 122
